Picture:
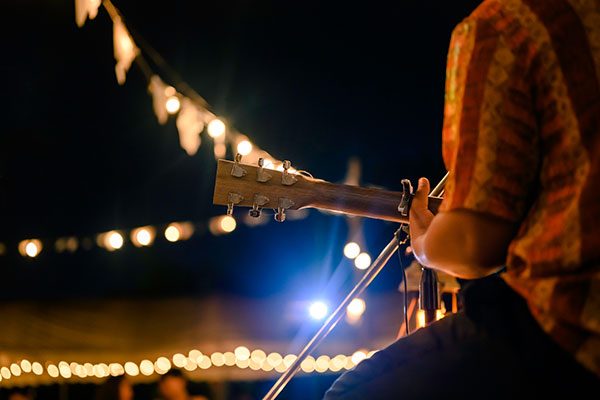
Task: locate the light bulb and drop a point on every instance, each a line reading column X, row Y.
column 172, row 104
column 216, row 128
column 351, row 250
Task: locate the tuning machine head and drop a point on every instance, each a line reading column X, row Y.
column 287, row 178
column 261, row 174
column 237, row 169
column 259, row 202
column 233, row 199
column 280, row 215
column 283, row 205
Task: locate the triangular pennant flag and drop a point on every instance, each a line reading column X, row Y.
column 190, row 123
column 125, row 49
column 86, row 9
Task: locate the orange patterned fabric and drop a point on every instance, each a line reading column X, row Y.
column 521, row 140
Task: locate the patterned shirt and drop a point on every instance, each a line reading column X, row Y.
column 521, row 140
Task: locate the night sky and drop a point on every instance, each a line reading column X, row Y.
column 313, row 83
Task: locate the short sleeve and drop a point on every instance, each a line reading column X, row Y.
column 490, row 136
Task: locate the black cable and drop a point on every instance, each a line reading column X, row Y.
column 400, row 243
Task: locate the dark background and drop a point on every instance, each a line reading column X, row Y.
column 314, row 83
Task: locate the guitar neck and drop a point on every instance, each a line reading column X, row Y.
column 248, row 185
column 363, row 202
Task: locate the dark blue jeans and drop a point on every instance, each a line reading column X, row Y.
column 493, row 348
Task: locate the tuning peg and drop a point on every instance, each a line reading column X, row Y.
column 261, row 174
column 280, row 215
column 259, row 202
column 287, row 178
column 284, row 204
column 237, row 169
column 233, row 199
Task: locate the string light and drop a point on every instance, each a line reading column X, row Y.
column 362, row 261
column 205, row 362
column 64, row 369
column 15, row 369
column 322, row 363
column 241, row 353
column 146, row 367
column 351, row 250
column 111, row 240
column 172, row 234
column 190, row 365
column 179, row 360
column 179, row 231
column 216, row 128
column 162, row 365
column 217, row 359
column 355, row 309
column 222, row 224
column 258, row 356
column 30, row 248
column 26, row 366
column 143, row 236
column 274, row 359
column 52, row 370
column 308, row 364
column 241, row 357
column 131, row 369
column 358, row 356
column 89, row 369
column 172, row 105
column 37, row 368
column 244, row 147
column 229, row 358
column 194, row 355
column 289, row 359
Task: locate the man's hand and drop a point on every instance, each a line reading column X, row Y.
column 460, row 242
column 419, row 215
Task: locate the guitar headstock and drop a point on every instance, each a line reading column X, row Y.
column 258, row 187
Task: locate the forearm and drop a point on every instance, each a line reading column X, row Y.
column 463, row 244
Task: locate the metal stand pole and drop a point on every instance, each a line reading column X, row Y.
column 429, row 293
column 334, row 318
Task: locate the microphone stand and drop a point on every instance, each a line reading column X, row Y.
column 335, row 317
column 429, row 291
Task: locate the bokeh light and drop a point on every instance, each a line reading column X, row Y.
column 351, row 250
column 216, row 128
column 222, row 224
column 172, row 104
column 179, row 360
column 244, row 147
column 132, row 369
column 143, row 236
column 362, row 261
column 146, row 367
column 30, row 248
column 356, row 308
column 358, row 356
column 318, row 310
column 179, row 231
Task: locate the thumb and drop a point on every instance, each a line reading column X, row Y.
column 420, row 199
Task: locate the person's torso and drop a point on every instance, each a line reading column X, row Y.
column 554, row 261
